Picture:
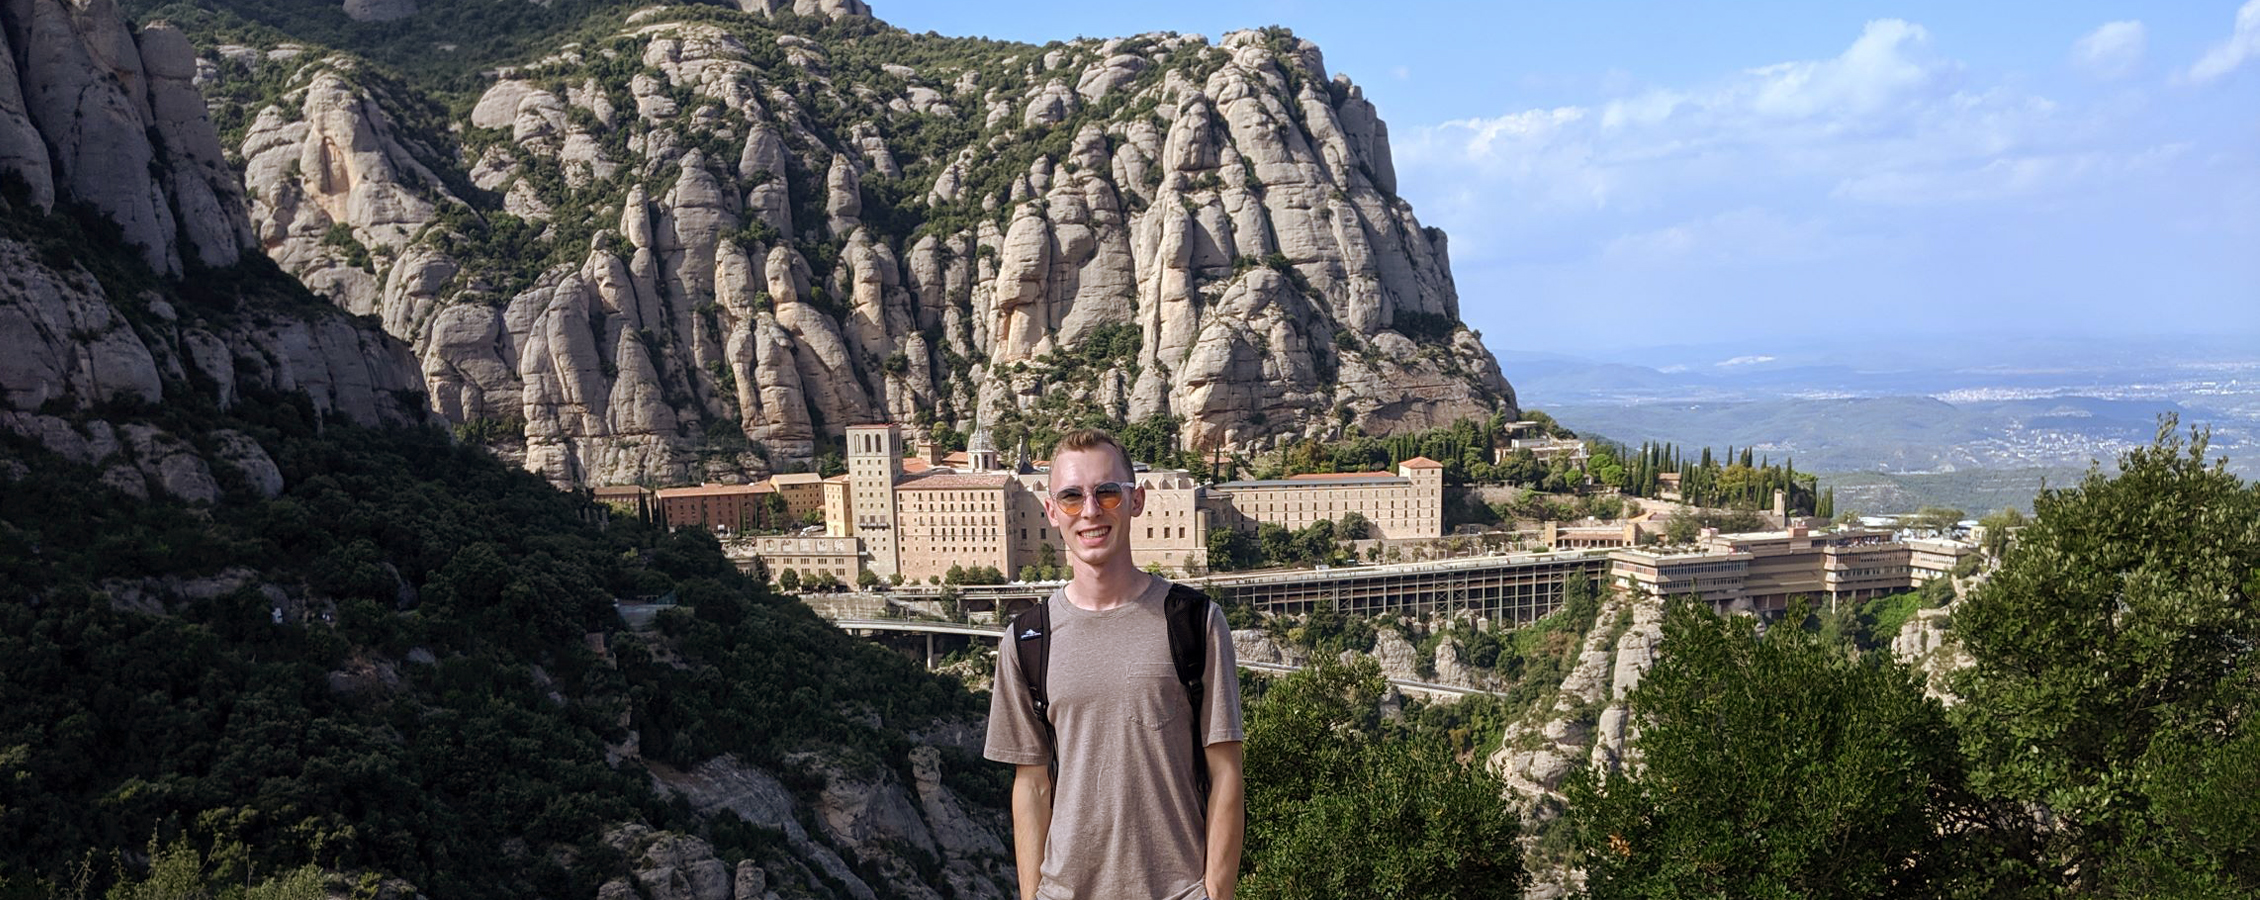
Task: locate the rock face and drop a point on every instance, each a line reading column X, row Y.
column 93, row 113
column 868, row 823
column 726, row 244
column 1925, row 643
column 78, row 103
column 1588, row 723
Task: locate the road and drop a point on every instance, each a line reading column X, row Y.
column 994, row 632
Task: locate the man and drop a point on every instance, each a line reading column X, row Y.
column 1125, row 819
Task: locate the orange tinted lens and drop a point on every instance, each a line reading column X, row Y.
column 1108, row 495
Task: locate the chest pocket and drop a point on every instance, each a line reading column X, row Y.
column 1156, row 699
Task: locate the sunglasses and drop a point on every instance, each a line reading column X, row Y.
column 1108, row 494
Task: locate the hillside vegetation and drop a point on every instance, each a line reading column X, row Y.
column 426, row 707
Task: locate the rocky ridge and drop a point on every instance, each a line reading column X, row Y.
column 100, row 120
column 706, row 242
column 1587, row 724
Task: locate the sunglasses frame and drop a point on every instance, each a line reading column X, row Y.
column 1073, row 504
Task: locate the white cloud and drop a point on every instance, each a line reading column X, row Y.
column 1883, row 104
column 2113, row 50
column 2242, row 45
column 1743, row 361
column 1881, row 68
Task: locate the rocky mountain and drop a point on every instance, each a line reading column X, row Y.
column 104, row 142
column 165, row 391
column 698, row 241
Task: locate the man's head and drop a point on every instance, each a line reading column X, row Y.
column 1090, row 469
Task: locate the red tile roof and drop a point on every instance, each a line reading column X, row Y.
column 1421, row 462
column 717, row 490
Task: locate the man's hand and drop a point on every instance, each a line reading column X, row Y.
column 1227, row 817
column 1032, row 822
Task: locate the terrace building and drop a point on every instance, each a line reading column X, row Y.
column 1408, row 504
column 734, row 508
column 1765, row 571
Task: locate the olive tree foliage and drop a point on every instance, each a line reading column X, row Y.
column 1775, row 766
column 1345, row 803
column 2116, row 676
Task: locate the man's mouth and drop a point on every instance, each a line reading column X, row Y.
column 1094, row 535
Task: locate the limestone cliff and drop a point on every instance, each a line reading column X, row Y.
column 80, row 101
column 709, row 234
column 101, row 127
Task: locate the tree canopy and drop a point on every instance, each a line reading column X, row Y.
column 1345, row 803
column 2116, row 675
column 1774, row 767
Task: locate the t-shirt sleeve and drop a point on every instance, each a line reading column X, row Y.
column 1016, row 736
column 1220, row 710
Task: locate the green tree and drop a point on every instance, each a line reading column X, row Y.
column 1342, row 803
column 1935, row 518
column 1826, row 509
column 1998, row 528
column 1355, row 526
column 1315, row 543
column 1773, row 767
column 2116, row 675
column 788, row 580
column 866, row 579
column 1230, row 548
column 1277, row 542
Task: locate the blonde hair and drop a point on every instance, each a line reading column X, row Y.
column 1084, row 439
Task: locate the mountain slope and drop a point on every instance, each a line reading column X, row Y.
column 690, row 228
column 258, row 609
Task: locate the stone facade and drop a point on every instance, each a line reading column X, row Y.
column 1764, row 571
column 920, row 516
column 839, row 557
column 1407, row 505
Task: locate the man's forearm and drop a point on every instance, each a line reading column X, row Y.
column 1227, row 818
column 1031, row 823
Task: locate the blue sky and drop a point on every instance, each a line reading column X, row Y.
column 1617, row 175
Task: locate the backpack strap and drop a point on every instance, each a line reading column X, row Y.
column 1032, row 640
column 1187, row 611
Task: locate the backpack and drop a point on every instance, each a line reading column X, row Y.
column 1187, row 614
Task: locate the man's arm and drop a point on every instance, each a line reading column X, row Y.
column 1227, row 817
column 1032, row 822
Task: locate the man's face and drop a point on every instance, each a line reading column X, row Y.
column 1095, row 535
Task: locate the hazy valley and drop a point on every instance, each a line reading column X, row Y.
column 1895, row 423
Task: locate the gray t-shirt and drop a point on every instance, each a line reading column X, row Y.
column 1127, row 822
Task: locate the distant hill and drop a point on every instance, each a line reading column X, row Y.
column 1974, row 491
